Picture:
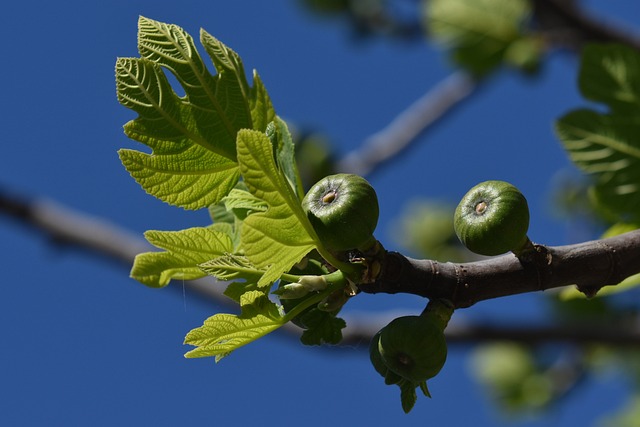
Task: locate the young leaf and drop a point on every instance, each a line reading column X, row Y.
column 193, row 163
column 223, row 333
column 242, row 203
column 218, row 104
column 262, row 112
column 232, row 267
column 184, row 251
column 283, row 230
column 280, row 137
column 321, row 327
column 182, row 170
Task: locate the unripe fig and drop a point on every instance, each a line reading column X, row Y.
column 343, row 210
column 379, row 364
column 413, row 347
column 493, row 218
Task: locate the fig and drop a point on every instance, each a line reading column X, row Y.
column 413, row 347
column 343, row 210
column 493, row 218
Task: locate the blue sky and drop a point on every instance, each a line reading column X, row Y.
column 84, row 344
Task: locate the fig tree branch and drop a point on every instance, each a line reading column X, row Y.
column 77, row 230
column 590, row 266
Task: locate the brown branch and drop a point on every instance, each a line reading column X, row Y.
column 590, row 266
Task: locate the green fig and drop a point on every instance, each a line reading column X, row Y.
column 343, row 210
column 493, row 218
column 413, row 347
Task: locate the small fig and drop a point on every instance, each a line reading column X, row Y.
column 343, row 210
column 379, row 364
column 413, row 347
column 493, row 218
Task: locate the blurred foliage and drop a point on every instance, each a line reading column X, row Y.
column 512, row 377
column 369, row 18
column 629, row 415
column 483, row 34
column 425, row 228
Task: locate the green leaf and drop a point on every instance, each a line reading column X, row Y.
column 218, row 103
column 321, row 327
column 232, row 267
column 610, row 74
column 242, row 203
column 180, row 170
column 262, row 112
column 235, row 290
column 184, row 250
column 193, row 138
column 280, row 137
column 223, row 333
column 279, row 238
column 606, row 147
column 478, row 31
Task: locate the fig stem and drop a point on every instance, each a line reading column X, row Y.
column 441, row 310
column 525, row 250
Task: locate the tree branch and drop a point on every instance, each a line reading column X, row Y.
column 590, row 266
column 605, row 260
column 405, row 128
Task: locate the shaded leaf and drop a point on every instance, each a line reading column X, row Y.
column 321, row 327
column 606, row 147
column 610, row 74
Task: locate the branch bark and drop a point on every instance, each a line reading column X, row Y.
column 590, row 266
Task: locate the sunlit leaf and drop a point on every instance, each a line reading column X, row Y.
column 242, row 203
column 223, row 333
column 277, row 239
column 218, row 103
column 180, row 170
column 281, row 139
column 184, row 251
column 232, row 267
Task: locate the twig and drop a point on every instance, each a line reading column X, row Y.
column 384, row 145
